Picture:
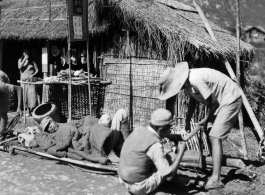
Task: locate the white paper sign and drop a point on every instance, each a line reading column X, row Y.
column 44, row 58
column 77, row 25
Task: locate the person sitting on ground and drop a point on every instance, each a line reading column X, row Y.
column 120, row 130
column 5, row 90
column 143, row 166
column 215, row 90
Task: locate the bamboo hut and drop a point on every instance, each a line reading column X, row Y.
column 164, row 29
column 154, row 29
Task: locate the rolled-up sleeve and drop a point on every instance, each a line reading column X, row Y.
column 156, row 154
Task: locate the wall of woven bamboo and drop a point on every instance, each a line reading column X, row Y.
column 134, row 87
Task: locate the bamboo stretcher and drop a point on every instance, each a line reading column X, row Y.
column 189, row 160
column 87, row 164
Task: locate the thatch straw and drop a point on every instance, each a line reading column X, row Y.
column 181, row 29
column 29, row 19
column 166, row 23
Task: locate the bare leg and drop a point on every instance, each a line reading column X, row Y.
column 217, row 153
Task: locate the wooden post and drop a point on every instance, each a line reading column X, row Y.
column 69, row 62
column 238, row 71
column 45, row 74
column 88, row 68
column 24, row 103
column 233, row 76
column 100, row 68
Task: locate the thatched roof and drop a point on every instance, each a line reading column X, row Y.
column 29, row 19
column 165, row 21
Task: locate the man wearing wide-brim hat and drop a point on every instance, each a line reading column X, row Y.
column 143, row 166
column 215, row 90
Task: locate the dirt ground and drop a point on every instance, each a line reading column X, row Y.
column 30, row 175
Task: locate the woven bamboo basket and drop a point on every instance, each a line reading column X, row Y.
column 58, row 94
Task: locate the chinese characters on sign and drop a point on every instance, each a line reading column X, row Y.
column 77, row 24
column 77, row 10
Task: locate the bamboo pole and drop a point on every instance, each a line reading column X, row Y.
column 24, row 103
column 238, row 71
column 8, row 140
column 191, row 158
column 68, row 160
column 45, row 74
column 88, row 65
column 233, row 76
column 69, row 62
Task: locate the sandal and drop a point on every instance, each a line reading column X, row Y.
column 214, row 186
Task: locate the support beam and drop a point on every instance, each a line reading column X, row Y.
column 238, row 72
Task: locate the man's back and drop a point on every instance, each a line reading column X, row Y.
column 208, row 82
column 135, row 165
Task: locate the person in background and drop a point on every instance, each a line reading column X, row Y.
column 143, row 166
column 83, row 61
column 57, row 60
column 5, row 90
column 83, row 65
column 74, row 65
column 28, row 69
column 220, row 94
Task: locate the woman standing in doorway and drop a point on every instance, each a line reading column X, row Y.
column 28, row 69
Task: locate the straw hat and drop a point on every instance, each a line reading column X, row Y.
column 161, row 117
column 172, row 80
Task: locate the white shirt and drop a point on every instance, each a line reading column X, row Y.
column 205, row 82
